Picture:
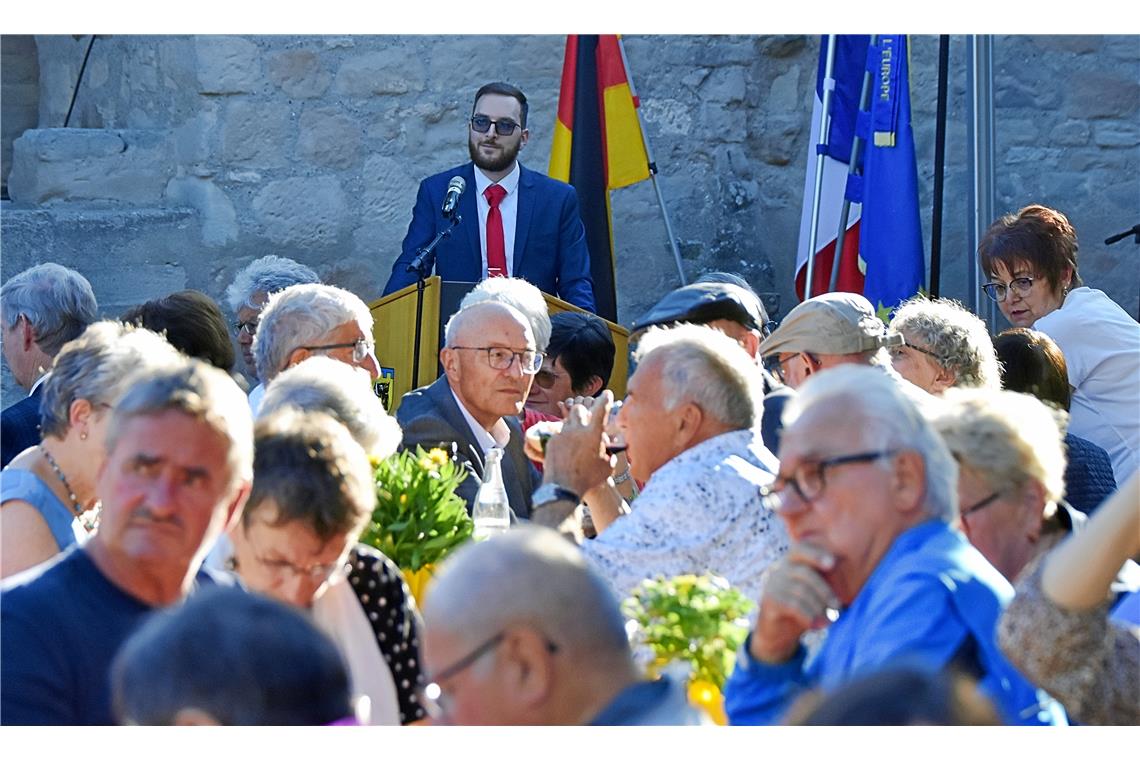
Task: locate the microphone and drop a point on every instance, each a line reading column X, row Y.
column 455, row 189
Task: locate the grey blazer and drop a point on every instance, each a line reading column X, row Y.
column 430, row 415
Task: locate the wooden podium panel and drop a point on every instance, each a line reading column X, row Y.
column 394, row 330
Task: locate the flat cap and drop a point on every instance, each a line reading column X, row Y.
column 831, row 323
column 704, row 302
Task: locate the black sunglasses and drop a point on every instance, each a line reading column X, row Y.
column 503, row 127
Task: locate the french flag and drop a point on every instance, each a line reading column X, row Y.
column 850, row 63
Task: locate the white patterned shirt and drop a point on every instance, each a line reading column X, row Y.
column 700, row 512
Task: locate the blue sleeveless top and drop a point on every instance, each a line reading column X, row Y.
column 23, row 485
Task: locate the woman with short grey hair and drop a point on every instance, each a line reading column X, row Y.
column 946, row 346
column 47, row 493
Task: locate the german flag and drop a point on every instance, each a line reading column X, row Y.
column 598, row 146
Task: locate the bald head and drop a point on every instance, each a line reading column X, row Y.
column 470, row 322
column 529, row 576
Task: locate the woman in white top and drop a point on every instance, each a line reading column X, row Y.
column 1031, row 260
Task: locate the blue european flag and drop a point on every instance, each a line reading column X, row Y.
column 891, row 236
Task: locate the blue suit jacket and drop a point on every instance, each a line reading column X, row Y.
column 550, row 241
column 20, row 426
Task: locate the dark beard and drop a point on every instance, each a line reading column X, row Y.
column 506, row 158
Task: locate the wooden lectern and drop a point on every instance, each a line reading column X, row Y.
column 394, row 328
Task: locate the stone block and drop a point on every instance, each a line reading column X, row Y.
column 389, row 71
column 299, row 73
column 329, row 137
column 227, row 65
column 1071, row 133
column 256, row 134
column 389, row 192
column 783, row 46
column 302, row 211
column 219, row 220
column 127, row 166
column 726, row 85
column 1112, row 134
column 784, row 92
column 1032, row 154
column 1101, row 94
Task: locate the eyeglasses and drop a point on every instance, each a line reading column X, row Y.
column 280, row 567
column 503, row 358
column 432, row 697
column 546, row 379
column 998, row 291
column 775, row 364
column 361, row 348
column 503, row 127
column 980, row 505
column 897, row 352
column 807, row 480
column 249, row 327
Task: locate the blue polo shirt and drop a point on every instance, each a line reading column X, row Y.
column 931, row 598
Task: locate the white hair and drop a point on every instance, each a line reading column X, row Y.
column 299, row 315
column 705, row 366
column 1007, row 438
column 471, row 312
column 57, row 302
column 892, row 418
column 520, row 294
column 960, row 340
column 268, row 275
column 340, row 390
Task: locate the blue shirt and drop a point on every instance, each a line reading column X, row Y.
column 931, row 600
column 61, row 630
column 650, row 703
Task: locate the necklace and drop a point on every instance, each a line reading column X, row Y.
column 88, row 523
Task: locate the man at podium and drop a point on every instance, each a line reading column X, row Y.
column 514, row 222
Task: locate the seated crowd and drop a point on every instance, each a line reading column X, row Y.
column 937, row 526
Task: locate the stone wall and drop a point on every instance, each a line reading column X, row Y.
column 198, row 154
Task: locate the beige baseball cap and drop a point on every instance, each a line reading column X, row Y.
column 831, row 323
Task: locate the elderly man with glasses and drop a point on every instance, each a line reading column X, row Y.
column 867, row 489
column 511, row 221
column 521, row 630
column 313, row 320
column 489, row 361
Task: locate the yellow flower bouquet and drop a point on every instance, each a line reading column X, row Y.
column 419, row 519
column 700, row 621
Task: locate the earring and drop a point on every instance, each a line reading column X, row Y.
column 83, row 436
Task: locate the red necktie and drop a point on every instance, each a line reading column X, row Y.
column 496, row 248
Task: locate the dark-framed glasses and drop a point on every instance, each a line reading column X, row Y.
column 502, row 358
column 432, row 696
column 249, row 327
column 361, row 348
column 503, row 127
column 808, row 481
column 278, row 568
column 980, row 504
column 997, row 291
column 774, row 364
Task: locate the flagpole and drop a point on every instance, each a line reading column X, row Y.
column 652, row 165
column 852, row 168
column 939, row 168
column 824, row 124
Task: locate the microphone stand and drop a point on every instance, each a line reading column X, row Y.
column 1120, row 236
column 422, row 264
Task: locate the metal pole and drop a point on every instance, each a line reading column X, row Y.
column 939, row 168
column 981, row 143
column 652, row 166
column 852, row 168
column 824, row 127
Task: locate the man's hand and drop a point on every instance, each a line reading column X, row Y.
column 796, row 599
column 576, row 457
